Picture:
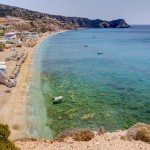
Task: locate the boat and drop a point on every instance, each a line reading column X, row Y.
column 99, row 53
column 57, row 98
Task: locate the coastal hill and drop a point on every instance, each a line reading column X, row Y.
column 45, row 22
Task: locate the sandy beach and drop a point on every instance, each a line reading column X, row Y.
column 14, row 106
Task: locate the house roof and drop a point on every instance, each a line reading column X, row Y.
column 9, row 33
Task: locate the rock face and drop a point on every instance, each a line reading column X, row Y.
column 52, row 22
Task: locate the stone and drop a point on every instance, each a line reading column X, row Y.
column 70, row 117
column 87, row 116
column 139, row 131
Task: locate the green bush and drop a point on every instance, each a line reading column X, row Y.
column 5, row 143
column 2, row 33
column 2, row 46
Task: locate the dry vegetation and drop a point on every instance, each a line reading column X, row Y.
column 77, row 134
column 139, row 131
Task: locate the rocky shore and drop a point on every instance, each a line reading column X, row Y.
column 107, row 141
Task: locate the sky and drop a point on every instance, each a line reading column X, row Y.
column 133, row 11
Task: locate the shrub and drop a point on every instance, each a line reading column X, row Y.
column 2, row 46
column 83, row 135
column 143, row 135
column 4, row 132
column 2, row 33
column 5, row 144
column 77, row 134
column 101, row 131
column 139, row 131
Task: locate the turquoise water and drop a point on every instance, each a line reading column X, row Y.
column 110, row 90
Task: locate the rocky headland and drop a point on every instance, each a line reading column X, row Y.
column 45, row 22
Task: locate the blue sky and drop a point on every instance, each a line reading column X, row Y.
column 133, row 11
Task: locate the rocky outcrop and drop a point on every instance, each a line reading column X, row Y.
column 119, row 23
column 51, row 22
column 139, row 131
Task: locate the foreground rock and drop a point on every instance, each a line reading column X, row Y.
column 107, row 141
column 84, row 139
column 139, row 131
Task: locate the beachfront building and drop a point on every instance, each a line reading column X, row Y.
column 15, row 41
column 12, row 38
column 9, row 26
column 28, row 35
column 10, row 35
column 2, row 39
column 34, row 35
column 3, row 67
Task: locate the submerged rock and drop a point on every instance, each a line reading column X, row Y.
column 87, row 116
column 60, row 118
column 70, row 117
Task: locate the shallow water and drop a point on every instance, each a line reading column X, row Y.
column 109, row 90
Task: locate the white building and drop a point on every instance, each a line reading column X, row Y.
column 2, row 39
column 16, row 41
column 10, row 35
column 27, row 35
column 34, row 35
column 7, row 26
column 3, row 67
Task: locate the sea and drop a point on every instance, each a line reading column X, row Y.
column 102, row 74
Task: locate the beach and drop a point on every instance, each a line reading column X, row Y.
column 14, row 106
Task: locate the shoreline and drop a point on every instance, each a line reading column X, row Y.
column 16, row 111
column 37, row 111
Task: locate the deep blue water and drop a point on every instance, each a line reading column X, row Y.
column 110, row 90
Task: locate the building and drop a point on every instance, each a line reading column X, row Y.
column 10, row 35
column 2, row 39
column 3, row 67
column 6, row 26
column 16, row 41
column 34, row 35
column 27, row 35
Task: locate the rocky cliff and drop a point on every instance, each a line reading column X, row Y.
column 52, row 22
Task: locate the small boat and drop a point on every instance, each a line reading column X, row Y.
column 57, row 98
column 86, row 46
column 99, row 53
